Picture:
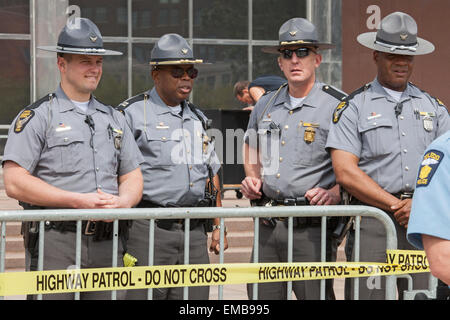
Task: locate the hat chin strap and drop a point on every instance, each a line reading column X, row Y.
column 82, row 50
column 392, row 48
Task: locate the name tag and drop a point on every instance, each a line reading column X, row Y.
column 63, row 128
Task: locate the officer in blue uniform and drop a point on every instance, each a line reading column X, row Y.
column 69, row 150
column 378, row 136
column 285, row 159
column 179, row 160
column 429, row 223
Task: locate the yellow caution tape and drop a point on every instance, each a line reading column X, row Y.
column 101, row 279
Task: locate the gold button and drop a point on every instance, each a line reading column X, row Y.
column 281, row 159
column 286, row 127
column 164, row 138
column 191, row 184
column 283, row 142
column 291, row 112
column 278, row 175
column 190, row 167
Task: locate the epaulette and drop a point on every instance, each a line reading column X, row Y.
column 333, row 92
column 28, row 113
column 438, row 101
column 37, row 103
column 344, row 104
column 121, row 107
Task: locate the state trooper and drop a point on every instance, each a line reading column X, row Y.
column 429, row 224
column 285, row 140
column 69, row 150
column 378, row 136
column 180, row 162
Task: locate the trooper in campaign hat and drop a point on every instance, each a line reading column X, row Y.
column 69, row 150
column 292, row 122
column 180, row 168
column 379, row 135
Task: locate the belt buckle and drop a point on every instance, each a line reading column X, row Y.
column 406, row 195
column 289, row 202
column 90, row 228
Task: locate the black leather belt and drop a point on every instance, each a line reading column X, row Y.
column 102, row 230
column 167, row 224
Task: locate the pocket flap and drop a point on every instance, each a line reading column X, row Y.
column 373, row 124
column 161, row 135
column 64, row 138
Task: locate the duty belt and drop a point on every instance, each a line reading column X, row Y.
column 299, row 222
column 167, row 224
column 102, row 230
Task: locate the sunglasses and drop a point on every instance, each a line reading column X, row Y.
column 179, row 72
column 300, row 52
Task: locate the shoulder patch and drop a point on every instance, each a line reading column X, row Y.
column 428, row 167
column 24, row 117
column 344, row 104
column 333, row 92
column 121, row 107
column 338, row 111
column 28, row 113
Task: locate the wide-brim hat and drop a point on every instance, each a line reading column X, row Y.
column 295, row 32
column 80, row 36
column 173, row 49
column 396, row 34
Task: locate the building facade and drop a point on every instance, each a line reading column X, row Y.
column 229, row 34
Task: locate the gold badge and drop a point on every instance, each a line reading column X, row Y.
column 403, row 36
column 184, row 51
column 23, row 119
column 293, row 33
column 310, row 132
column 93, row 38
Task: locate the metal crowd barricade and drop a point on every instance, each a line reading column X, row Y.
column 203, row 213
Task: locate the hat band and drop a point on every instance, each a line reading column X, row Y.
column 175, row 61
column 81, row 50
column 393, row 47
column 282, row 43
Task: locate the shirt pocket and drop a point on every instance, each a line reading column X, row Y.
column 66, row 152
column 376, row 138
column 163, row 148
column 308, row 153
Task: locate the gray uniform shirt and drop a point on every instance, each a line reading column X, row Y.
column 389, row 147
column 291, row 141
column 53, row 142
column 176, row 158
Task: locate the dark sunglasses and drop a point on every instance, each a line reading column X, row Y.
column 300, row 52
column 179, row 72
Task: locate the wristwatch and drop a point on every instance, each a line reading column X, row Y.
column 217, row 227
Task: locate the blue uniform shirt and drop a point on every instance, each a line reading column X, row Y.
column 430, row 213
